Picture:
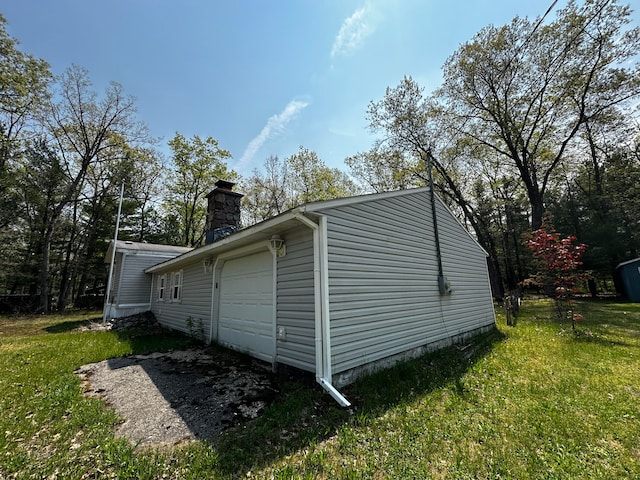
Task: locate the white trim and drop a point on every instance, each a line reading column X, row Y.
column 324, row 289
column 270, row 226
column 173, row 298
column 120, row 274
column 214, row 300
column 274, row 306
column 161, row 287
column 226, row 245
column 321, row 299
column 341, row 202
column 215, row 296
column 628, row 262
column 132, row 305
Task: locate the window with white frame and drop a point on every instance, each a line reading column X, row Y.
column 176, row 286
column 162, row 280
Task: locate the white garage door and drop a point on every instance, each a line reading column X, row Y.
column 246, row 305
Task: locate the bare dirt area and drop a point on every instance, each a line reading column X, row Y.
column 173, row 397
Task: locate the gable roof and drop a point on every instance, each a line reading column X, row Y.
column 628, row 262
column 265, row 229
column 153, row 248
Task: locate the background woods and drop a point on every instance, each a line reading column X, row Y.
column 533, row 118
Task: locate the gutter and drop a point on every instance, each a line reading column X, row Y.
column 321, row 283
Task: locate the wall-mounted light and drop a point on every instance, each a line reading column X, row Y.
column 207, row 264
column 278, row 246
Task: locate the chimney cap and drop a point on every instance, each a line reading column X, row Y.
column 224, row 184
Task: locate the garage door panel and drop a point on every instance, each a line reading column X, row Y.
column 246, row 305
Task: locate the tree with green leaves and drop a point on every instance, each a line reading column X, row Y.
column 301, row 178
column 383, row 169
column 82, row 131
column 312, row 179
column 525, row 90
column 599, row 199
column 412, row 125
column 24, row 82
column 267, row 193
column 198, row 164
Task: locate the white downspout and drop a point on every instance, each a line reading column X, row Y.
column 214, row 299
column 321, row 283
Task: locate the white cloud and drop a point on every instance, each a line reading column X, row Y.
column 353, row 32
column 275, row 126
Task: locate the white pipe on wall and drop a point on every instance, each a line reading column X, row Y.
column 321, row 284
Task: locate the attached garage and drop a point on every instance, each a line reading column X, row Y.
column 338, row 288
column 246, row 315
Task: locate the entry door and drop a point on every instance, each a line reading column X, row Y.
column 246, row 305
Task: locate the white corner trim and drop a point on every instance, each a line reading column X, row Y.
column 321, row 298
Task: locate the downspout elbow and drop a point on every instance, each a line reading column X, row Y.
column 337, row 396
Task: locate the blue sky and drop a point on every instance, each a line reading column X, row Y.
column 263, row 78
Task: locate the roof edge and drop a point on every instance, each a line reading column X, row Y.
column 226, row 241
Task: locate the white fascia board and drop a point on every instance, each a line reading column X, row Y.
column 628, row 262
column 341, row 202
column 234, row 240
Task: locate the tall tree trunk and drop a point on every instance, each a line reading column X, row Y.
column 43, row 306
column 537, row 210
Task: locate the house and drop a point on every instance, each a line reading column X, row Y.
column 627, row 279
column 337, row 288
column 130, row 286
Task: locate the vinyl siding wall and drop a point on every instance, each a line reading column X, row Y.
column 195, row 303
column 384, row 297
column 115, row 281
column 295, row 301
column 133, row 287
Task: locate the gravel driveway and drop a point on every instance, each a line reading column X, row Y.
column 173, row 397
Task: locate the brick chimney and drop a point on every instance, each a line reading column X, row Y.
column 223, row 211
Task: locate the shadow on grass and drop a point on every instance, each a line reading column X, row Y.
column 65, row 327
column 305, row 415
column 155, row 339
column 604, row 323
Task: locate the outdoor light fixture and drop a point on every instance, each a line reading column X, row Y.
column 207, row 264
column 277, row 245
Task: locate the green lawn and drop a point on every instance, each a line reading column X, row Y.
column 530, row 401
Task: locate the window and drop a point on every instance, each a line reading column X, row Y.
column 176, row 290
column 161, row 286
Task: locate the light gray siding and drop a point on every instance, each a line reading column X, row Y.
column 295, row 301
column 384, row 297
column 134, row 286
column 470, row 305
column 192, row 314
column 115, row 281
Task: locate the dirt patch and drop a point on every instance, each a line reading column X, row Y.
column 173, row 397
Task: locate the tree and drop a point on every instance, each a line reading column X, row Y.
column 312, row 180
column 383, row 169
column 526, row 89
column 413, row 124
column 599, row 200
column 557, row 261
column 23, row 90
column 300, row 178
column 198, row 164
column 42, row 183
column 267, row 193
column 82, row 130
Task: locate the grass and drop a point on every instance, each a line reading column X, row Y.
column 530, row 401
